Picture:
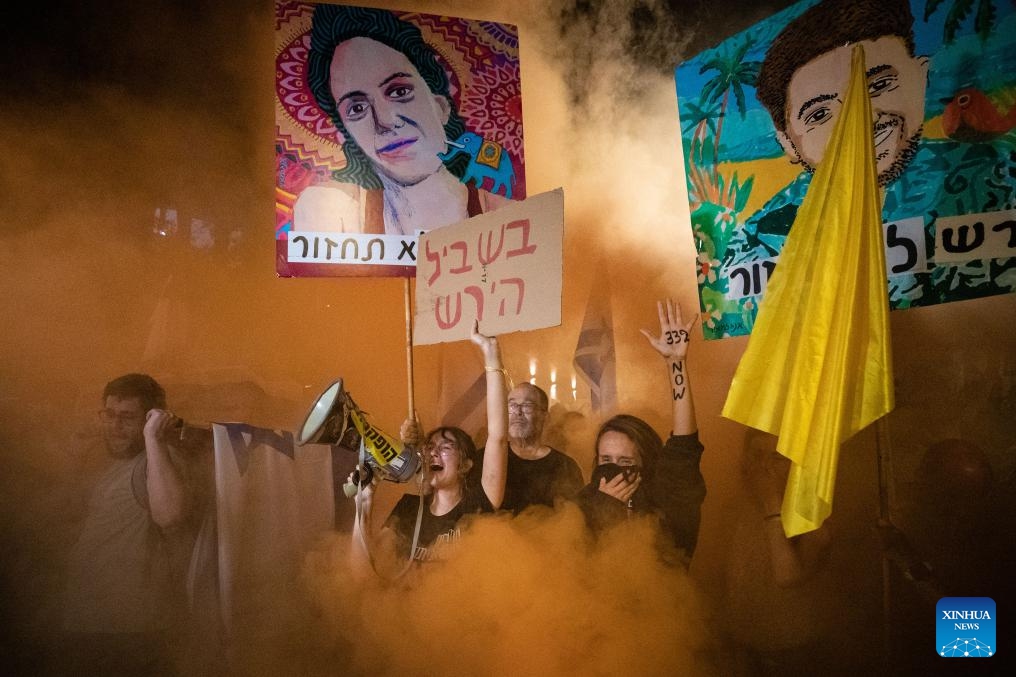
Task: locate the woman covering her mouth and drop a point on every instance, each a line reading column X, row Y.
column 634, row 472
column 448, row 454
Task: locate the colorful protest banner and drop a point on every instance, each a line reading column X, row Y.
column 503, row 268
column 757, row 110
column 388, row 124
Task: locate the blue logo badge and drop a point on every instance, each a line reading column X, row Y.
column 965, row 627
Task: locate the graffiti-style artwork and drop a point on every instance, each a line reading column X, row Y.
column 388, row 124
column 502, row 269
column 757, row 110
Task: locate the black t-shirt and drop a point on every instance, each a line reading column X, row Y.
column 539, row 482
column 436, row 531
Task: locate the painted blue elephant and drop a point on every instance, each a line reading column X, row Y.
column 486, row 158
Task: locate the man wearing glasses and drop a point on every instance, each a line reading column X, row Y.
column 116, row 609
column 537, row 473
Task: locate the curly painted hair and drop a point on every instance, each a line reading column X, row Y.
column 820, row 29
column 332, row 25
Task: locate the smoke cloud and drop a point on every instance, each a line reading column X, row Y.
column 120, row 108
column 533, row 595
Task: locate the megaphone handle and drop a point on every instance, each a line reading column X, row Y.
column 362, row 476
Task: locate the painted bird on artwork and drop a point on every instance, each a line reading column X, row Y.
column 971, row 116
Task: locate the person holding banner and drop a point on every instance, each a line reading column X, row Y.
column 388, row 95
column 122, row 589
column 634, row 472
column 448, row 454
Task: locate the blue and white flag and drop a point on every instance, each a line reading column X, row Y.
column 594, row 354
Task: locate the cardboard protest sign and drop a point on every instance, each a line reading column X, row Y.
column 503, row 268
column 388, row 124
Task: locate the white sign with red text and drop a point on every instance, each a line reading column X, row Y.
column 503, row 268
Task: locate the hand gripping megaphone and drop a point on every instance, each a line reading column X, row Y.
column 335, row 419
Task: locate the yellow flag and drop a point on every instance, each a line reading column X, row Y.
column 818, row 366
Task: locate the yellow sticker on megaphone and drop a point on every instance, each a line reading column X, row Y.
column 383, row 448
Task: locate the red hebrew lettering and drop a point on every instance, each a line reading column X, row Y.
column 521, row 286
column 526, row 247
column 447, row 322
column 436, row 258
column 484, row 253
column 477, row 294
column 463, row 267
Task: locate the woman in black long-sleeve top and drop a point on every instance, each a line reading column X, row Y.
column 634, row 471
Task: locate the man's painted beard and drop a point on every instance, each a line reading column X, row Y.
column 904, row 156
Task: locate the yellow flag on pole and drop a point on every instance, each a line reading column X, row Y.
column 818, row 366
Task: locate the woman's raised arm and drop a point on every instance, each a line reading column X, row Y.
column 672, row 344
column 495, row 453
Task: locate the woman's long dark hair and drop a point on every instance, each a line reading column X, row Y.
column 334, row 24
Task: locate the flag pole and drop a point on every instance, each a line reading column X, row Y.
column 883, row 456
column 409, row 347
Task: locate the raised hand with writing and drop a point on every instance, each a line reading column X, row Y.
column 675, row 333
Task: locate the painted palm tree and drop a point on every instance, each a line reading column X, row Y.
column 734, row 74
column 703, row 120
column 984, row 16
column 706, row 185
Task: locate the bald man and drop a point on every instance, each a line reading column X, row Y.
column 537, row 473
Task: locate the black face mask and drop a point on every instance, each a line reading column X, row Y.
column 609, row 471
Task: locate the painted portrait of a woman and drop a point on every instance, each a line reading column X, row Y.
column 385, row 90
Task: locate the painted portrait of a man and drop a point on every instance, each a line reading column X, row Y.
column 792, row 71
column 803, row 78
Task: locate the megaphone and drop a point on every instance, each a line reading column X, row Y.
column 335, row 419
